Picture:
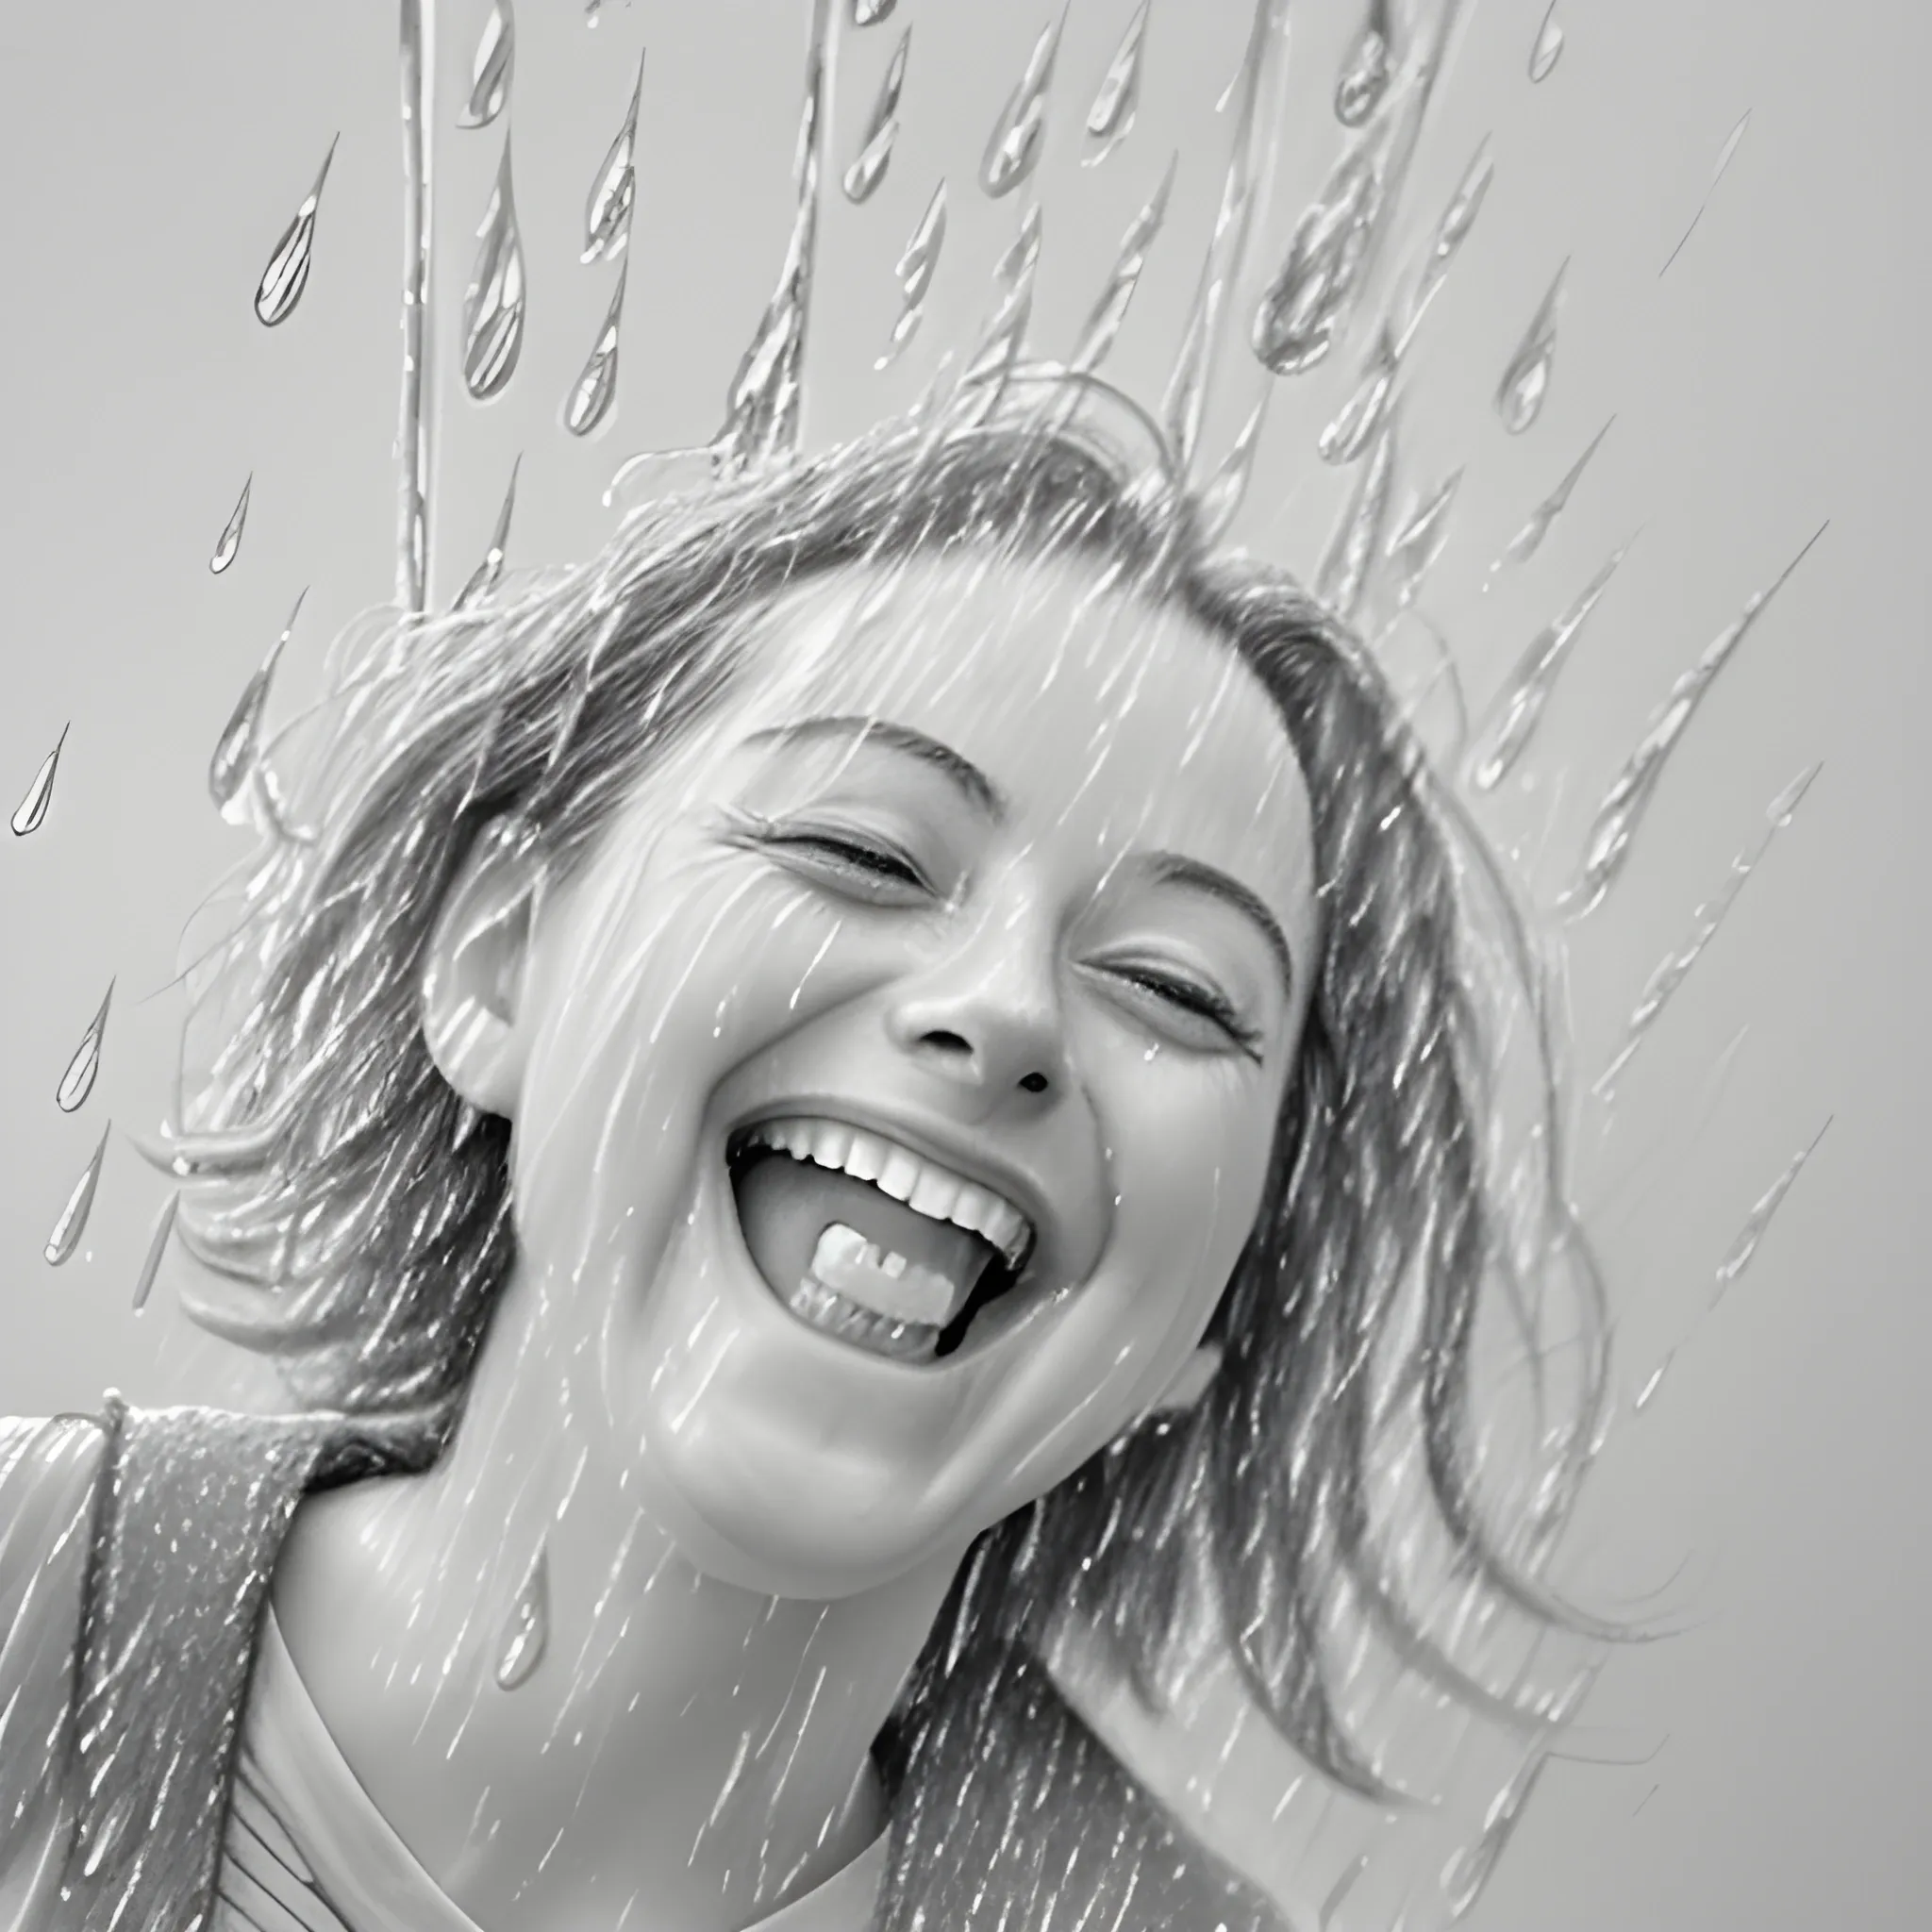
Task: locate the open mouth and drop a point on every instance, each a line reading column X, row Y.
column 870, row 1242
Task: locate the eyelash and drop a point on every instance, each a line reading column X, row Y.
column 1200, row 1000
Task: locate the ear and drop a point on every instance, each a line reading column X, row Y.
column 1190, row 1381
column 473, row 970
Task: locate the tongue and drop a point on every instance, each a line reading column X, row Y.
column 786, row 1206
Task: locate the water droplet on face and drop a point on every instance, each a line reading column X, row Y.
column 32, row 810
column 870, row 13
column 1547, row 46
column 1526, row 381
column 595, row 388
column 1417, row 544
column 882, row 129
column 493, row 305
column 490, row 72
column 156, row 1247
column 1365, row 71
column 1528, row 540
column 915, row 268
column 287, row 274
column 487, row 574
column 613, row 194
column 1344, row 572
column 230, row 542
column 78, row 1082
column 526, row 1630
column 72, row 1223
column 1738, row 1257
column 238, row 748
column 1104, row 321
column 1014, row 145
column 1348, row 435
column 1223, row 496
column 1110, row 119
column 1309, row 301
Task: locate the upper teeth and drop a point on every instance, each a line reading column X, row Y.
column 924, row 1186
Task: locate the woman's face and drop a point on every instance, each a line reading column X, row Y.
column 895, row 1080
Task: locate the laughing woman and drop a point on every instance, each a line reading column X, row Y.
column 848, row 1088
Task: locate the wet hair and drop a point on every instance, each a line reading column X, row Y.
column 357, row 1212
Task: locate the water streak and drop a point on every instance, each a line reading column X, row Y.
column 998, row 349
column 1419, row 540
column 490, row 72
column 596, row 388
column 1013, row 147
column 417, row 46
column 1619, row 815
column 1110, row 119
column 238, row 748
column 1338, row 1891
column 614, row 190
column 1520, row 708
column 229, row 545
column 881, row 130
column 870, row 13
column 1344, row 572
column 1459, row 218
column 287, row 274
column 78, row 1082
column 1366, row 70
column 1738, row 1257
column 1103, row 324
column 489, row 573
column 1547, row 46
column 1348, row 435
column 915, row 268
column 72, row 1223
column 1717, row 174
column 1527, row 381
column 493, row 306
column 1465, row 1875
column 32, row 810
column 526, row 1630
column 157, row 1248
column 1228, row 486
column 1528, row 540
column 1654, row 1382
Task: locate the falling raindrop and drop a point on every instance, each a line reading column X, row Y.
column 1518, row 710
column 1619, row 815
column 1229, row 484
column 1723, row 161
column 1304, row 307
column 1338, row 1891
column 1738, row 1257
column 1364, row 77
column 870, row 13
column 156, row 1247
column 1417, row 544
column 1110, row 119
column 489, row 573
column 1014, row 145
column 493, row 306
column 1459, row 218
column 1528, row 540
column 230, row 542
column 239, row 747
column 594, row 11
column 1348, row 435
column 287, row 274
column 526, row 1632
column 1465, row 1875
column 1526, row 381
column 490, row 72
column 78, row 1082
column 915, row 269
column 1344, row 572
column 882, row 130
column 1652, row 1382
column 72, row 1225
column 39, row 795
column 992, row 362
column 1548, row 46
column 590, row 400
column 613, row 194
column 1104, row 321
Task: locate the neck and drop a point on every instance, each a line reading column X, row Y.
column 554, row 1710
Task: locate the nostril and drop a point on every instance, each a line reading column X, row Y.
column 947, row 1042
column 1034, row 1083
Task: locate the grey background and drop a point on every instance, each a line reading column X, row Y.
column 1772, row 1760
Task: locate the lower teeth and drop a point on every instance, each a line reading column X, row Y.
column 831, row 1313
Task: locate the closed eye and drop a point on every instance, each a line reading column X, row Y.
column 874, row 867
column 1188, row 997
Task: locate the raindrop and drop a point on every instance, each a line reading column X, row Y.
column 1526, row 381
column 1653, row 1383
column 156, row 1247
column 613, row 194
column 72, row 1221
column 1459, row 218
column 592, row 11
column 1465, row 1875
column 999, row 348
column 1549, row 45
column 870, row 13
column 1110, row 119
column 1417, row 544
column 1338, row 1891
column 1347, row 437
column 882, row 130
column 1723, row 161
column 1518, row 710
column 1014, row 145
column 490, row 71
column 1617, row 817
column 915, row 269
column 493, row 306
column 1528, row 540
column 230, row 542
column 1738, row 1257
column 1104, row 321
column 1344, row 571
column 489, row 573
column 596, row 387
column 78, row 1082
column 39, row 795
column 1305, row 308
column 239, row 747
column 287, row 274
column 1223, row 496
column 526, row 1632
column 1364, row 77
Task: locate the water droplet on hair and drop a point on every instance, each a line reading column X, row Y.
column 1103, row 324
column 1547, row 47
column 1110, row 119
column 287, row 274
column 881, row 130
column 595, row 388
column 1365, row 71
column 238, row 750
column 1223, row 496
column 1344, row 572
column 1348, row 435
column 915, row 269
column 613, row 194
column 230, row 542
column 489, row 573
column 1526, row 381
column 526, row 1631
column 78, row 1082
column 32, row 810
column 1738, row 1257
column 156, row 1247
column 1652, row 1382
column 870, row 13
column 1418, row 543
column 1013, row 147
column 493, row 305
column 72, row 1225
column 1309, row 301
column 1528, row 540
column 490, row 72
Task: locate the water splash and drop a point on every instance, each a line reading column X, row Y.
column 493, row 306
column 490, row 72
column 157, row 1248
column 596, row 388
column 1621, row 810
column 1547, row 47
column 1528, row 540
column 1459, row 218
column 229, row 545
column 1758, row 1222
column 489, row 573
column 1305, row 307
column 1717, row 175
column 1344, row 572
column 1418, row 541
column 1013, row 148
column 78, row 1082
column 72, row 1223
column 526, row 1630
column 1673, row 970
column 1348, row 435
column 1367, row 70
column 870, row 13
column 32, row 810
column 915, row 268
column 875, row 151
column 238, row 748
column 614, row 192
column 1228, row 486
column 1526, row 381
column 287, row 274
column 1520, row 709
column 1103, row 324
column 1469, row 1871
column 1110, row 119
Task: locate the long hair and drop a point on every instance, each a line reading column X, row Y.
column 356, row 1213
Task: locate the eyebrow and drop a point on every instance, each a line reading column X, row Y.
column 980, row 790
column 1172, row 868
